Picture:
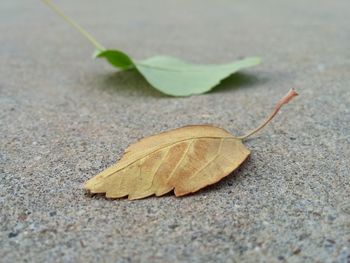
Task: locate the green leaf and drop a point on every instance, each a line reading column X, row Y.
column 169, row 75
column 174, row 76
column 115, row 57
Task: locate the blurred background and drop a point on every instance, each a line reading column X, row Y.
column 64, row 117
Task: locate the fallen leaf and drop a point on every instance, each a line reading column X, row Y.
column 184, row 160
column 169, row 75
column 176, row 77
column 187, row 159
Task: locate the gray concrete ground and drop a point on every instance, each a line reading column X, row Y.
column 65, row 117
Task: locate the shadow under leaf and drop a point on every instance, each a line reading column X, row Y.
column 128, row 83
column 132, row 83
column 239, row 80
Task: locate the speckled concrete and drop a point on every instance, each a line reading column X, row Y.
column 64, row 117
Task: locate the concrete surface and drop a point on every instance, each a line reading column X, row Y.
column 65, row 117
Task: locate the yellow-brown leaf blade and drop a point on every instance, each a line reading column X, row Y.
column 185, row 159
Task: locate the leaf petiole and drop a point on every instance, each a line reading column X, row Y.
column 82, row 31
column 290, row 95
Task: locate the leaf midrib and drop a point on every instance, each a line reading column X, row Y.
column 215, row 67
column 168, row 145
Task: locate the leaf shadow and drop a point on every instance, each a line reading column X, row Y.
column 240, row 80
column 128, row 83
column 132, row 83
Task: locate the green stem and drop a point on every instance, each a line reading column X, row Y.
column 291, row 94
column 75, row 25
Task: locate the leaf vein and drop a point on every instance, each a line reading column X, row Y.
column 181, row 160
column 210, row 161
column 160, row 163
column 166, row 146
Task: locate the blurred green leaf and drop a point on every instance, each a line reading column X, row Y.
column 176, row 77
column 169, row 75
column 115, row 57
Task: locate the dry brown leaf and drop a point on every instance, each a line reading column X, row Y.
column 184, row 160
column 187, row 159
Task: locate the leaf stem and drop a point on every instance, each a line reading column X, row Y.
column 290, row 95
column 75, row 25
